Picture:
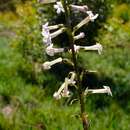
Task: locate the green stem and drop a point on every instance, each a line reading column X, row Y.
column 71, row 43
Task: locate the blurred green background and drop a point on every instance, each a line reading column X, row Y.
column 26, row 101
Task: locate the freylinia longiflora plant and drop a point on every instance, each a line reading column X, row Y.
column 75, row 77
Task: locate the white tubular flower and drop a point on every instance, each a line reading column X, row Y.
column 92, row 16
column 71, row 80
column 106, row 89
column 57, row 96
column 52, row 51
column 76, row 48
column 53, row 27
column 97, row 47
column 46, row 34
column 47, row 65
column 66, row 92
column 58, row 32
column 80, row 8
column 59, row 7
column 81, row 35
column 63, row 90
column 82, row 23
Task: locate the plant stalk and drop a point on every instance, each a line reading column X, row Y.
column 74, row 58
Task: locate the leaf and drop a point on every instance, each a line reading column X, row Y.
column 47, row 1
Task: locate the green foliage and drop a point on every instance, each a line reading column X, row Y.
column 32, row 110
column 21, row 82
column 115, row 36
column 28, row 40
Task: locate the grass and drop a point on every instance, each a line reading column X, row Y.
column 30, row 109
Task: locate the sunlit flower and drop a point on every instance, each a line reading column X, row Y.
column 59, row 7
column 98, row 47
column 81, row 35
column 106, row 89
column 52, row 51
column 47, row 65
column 92, row 16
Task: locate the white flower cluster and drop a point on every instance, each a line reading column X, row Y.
column 85, row 9
column 47, row 38
column 48, row 35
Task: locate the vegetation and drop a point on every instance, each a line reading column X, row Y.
column 26, row 93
